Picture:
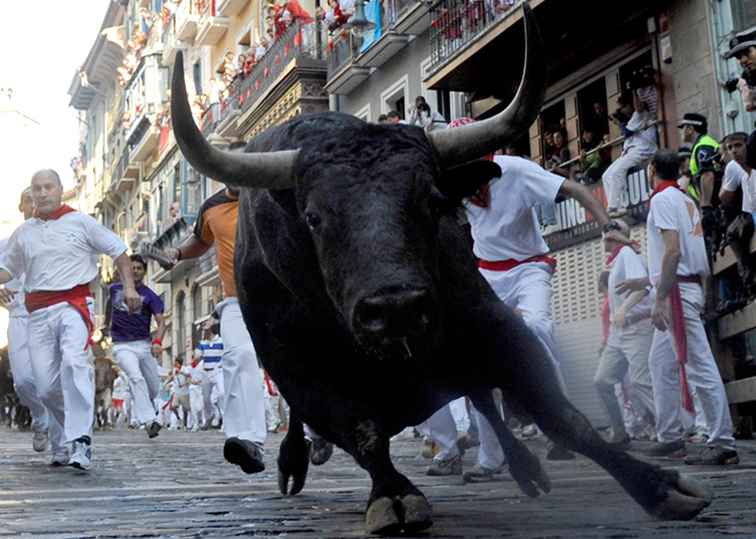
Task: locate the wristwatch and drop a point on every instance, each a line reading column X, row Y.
column 608, row 227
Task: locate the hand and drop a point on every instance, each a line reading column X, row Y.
column 660, row 315
column 133, row 299
column 6, row 297
column 618, row 320
column 632, row 285
column 156, row 350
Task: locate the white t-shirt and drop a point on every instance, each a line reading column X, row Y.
column 120, row 388
column 671, row 209
column 17, row 306
column 644, row 139
column 627, row 265
column 59, row 254
column 508, row 228
column 735, row 175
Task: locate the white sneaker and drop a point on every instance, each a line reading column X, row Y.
column 60, row 459
column 39, row 441
column 82, row 454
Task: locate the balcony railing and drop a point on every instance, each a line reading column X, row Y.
column 298, row 40
column 457, row 23
column 210, row 119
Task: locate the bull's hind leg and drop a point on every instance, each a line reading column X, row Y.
column 524, row 466
column 529, row 379
column 293, row 458
column 395, row 504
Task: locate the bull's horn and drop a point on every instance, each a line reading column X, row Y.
column 472, row 141
column 265, row 170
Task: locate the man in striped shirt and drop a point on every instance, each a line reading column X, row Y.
column 210, row 349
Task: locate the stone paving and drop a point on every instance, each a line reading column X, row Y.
column 179, row 486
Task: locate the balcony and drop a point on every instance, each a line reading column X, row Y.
column 211, row 26
column 409, row 17
column 173, row 236
column 125, row 175
column 383, row 49
column 344, row 75
column 291, row 68
column 186, row 26
column 208, row 269
column 229, row 113
column 143, row 139
column 171, row 45
column 210, row 119
column 229, row 8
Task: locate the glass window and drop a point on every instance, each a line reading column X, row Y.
column 743, row 14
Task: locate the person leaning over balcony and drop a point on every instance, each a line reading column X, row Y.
column 133, row 349
column 629, row 338
column 243, row 402
column 680, row 352
column 57, row 251
column 640, row 144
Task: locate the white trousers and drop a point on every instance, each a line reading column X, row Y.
column 441, row 428
column 627, row 349
column 615, row 177
column 212, row 384
column 703, row 376
column 63, row 368
column 244, row 399
column 526, row 288
column 23, row 377
column 135, row 358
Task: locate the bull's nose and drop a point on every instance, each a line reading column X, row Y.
column 394, row 314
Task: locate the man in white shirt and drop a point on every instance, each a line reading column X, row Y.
column 680, row 353
column 196, row 376
column 629, row 339
column 513, row 258
column 210, row 350
column 639, row 146
column 57, row 252
column 18, row 354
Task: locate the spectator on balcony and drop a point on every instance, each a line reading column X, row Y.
column 333, row 15
column 393, row 117
column 561, row 152
column 548, row 146
column 640, row 145
column 598, row 121
column 422, row 116
column 593, row 163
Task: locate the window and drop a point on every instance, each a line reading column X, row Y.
column 197, row 307
column 180, row 324
column 364, row 113
column 197, row 74
column 394, row 97
column 743, row 14
column 592, row 112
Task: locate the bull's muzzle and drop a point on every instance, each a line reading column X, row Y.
column 394, row 314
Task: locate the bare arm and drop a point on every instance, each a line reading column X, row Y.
column 707, row 188
column 157, row 347
column 192, row 247
column 632, row 300
column 668, row 278
column 586, row 199
column 728, row 198
column 131, row 297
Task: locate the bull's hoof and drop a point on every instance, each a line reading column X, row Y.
column 293, row 464
column 390, row 516
column 525, row 468
column 685, row 499
column 321, row 451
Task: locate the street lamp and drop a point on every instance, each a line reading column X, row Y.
column 358, row 23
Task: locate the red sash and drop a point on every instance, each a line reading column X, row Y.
column 76, row 297
column 269, row 384
column 506, row 265
column 679, row 337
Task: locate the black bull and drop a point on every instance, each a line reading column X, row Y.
column 366, row 307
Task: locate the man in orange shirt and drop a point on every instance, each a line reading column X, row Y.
column 243, row 402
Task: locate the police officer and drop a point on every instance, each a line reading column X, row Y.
column 743, row 49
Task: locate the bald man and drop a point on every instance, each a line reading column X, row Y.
column 56, row 251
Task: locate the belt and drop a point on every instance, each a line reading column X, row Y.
column 506, row 265
column 76, row 297
column 695, row 279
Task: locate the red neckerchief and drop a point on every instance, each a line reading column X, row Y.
column 613, row 254
column 55, row 214
column 482, row 198
column 664, row 184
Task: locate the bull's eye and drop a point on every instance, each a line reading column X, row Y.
column 312, row 219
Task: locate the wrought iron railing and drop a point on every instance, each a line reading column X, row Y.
column 456, row 23
column 210, row 119
column 298, row 40
column 342, row 50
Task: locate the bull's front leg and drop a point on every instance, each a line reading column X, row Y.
column 529, row 379
column 293, row 458
column 395, row 504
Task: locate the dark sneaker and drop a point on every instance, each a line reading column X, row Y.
column 245, row 454
column 153, row 429
column 467, row 441
column 441, row 467
column 81, row 457
column 320, row 451
column 479, row 474
column 673, row 450
column 557, row 452
column 714, row 455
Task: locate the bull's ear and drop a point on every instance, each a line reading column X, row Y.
column 463, row 181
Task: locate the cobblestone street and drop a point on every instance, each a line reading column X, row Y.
column 179, row 486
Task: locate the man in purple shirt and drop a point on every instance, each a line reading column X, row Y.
column 134, row 350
